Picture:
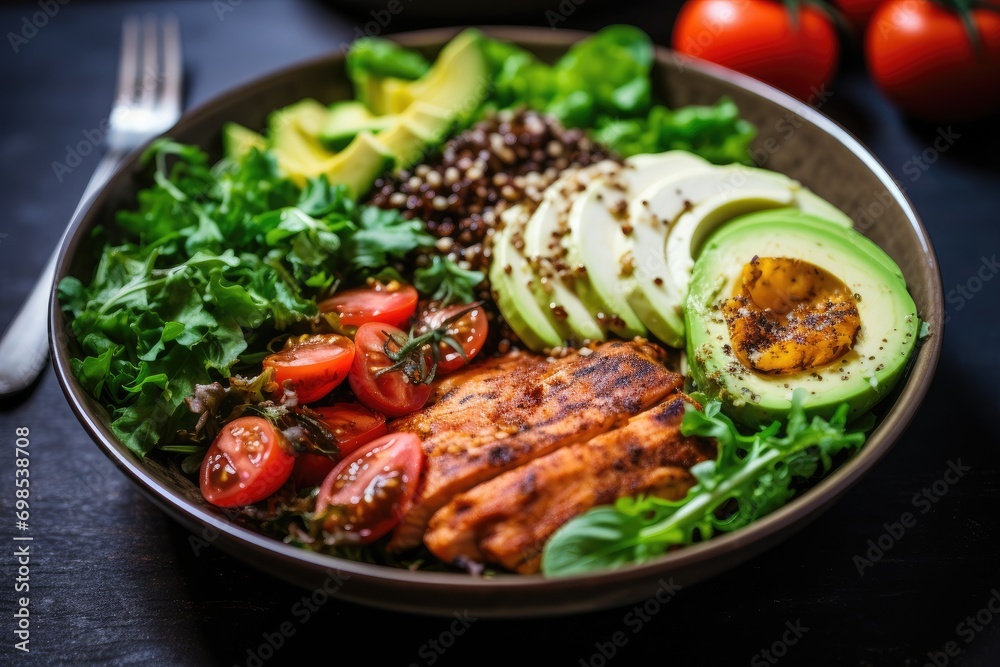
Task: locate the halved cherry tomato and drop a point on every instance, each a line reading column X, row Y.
column 248, row 461
column 392, row 304
column 353, row 425
column 391, row 393
column 367, row 493
column 314, row 364
column 469, row 331
column 310, row 469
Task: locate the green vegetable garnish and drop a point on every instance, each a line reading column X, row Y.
column 603, row 83
column 716, row 133
column 751, row 477
column 380, row 57
column 214, row 261
column 447, row 282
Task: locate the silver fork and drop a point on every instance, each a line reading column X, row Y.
column 148, row 102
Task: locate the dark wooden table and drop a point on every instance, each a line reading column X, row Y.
column 112, row 580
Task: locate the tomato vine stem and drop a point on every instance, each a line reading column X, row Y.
column 408, row 357
column 964, row 10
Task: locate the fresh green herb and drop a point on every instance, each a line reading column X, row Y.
column 381, row 234
column 447, row 282
column 607, row 73
column 214, row 260
column 751, row 477
column 717, row 133
column 925, row 329
column 374, row 56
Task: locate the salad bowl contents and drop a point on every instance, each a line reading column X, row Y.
column 494, row 314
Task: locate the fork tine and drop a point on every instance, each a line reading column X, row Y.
column 128, row 62
column 150, row 75
column 171, row 99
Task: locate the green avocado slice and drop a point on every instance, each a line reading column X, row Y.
column 458, row 81
column 512, row 281
column 595, row 235
column 358, row 165
column 671, row 218
column 346, row 120
column 860, row 378
column 294, row 134
column 540, row 233
column 238, row 140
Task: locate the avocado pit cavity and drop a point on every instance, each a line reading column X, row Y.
column 788, row 315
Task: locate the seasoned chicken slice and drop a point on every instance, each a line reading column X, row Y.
column 501, row 414
column 508, row 519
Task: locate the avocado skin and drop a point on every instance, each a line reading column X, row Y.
column 861, row 378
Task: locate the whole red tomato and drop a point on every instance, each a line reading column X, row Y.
column 761, row 38
column 921, row 55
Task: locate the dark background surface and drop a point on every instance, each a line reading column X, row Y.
column 114, row 581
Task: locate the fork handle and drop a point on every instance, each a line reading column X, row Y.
column 24, row 347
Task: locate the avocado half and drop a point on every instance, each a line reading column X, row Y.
column 860, row 378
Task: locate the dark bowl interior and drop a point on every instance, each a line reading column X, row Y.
column 794, row 139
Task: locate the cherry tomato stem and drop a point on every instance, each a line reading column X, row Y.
column 391, row 393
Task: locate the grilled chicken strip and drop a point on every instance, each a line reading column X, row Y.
column 508, row 519
column 501, row 414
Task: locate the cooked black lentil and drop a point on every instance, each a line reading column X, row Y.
column 505, row 159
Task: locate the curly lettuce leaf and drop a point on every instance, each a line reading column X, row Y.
column 213, row 261
column 717, row 133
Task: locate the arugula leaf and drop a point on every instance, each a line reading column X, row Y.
column 445, row 281
column 753, row 473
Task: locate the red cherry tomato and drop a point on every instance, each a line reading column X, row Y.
column 248, row 461
column 353, row 425
column 759, row 38
column 922, row 57
column 391, row 393
column 314, row 364
column 367, row 493
column 391, row 304
column 469, row 331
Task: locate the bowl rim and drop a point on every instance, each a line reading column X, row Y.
column 799, row 509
